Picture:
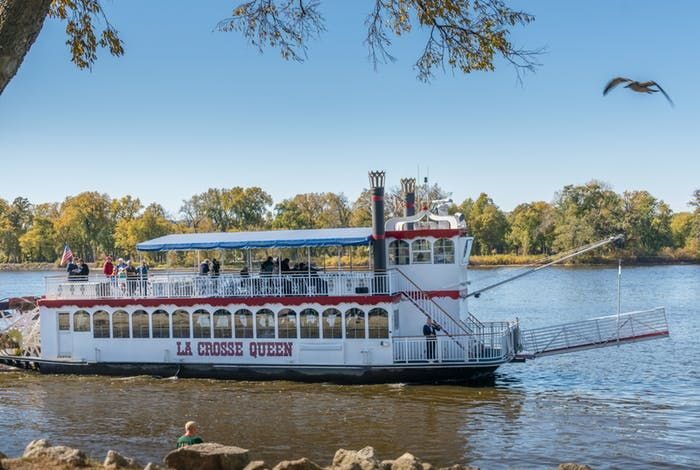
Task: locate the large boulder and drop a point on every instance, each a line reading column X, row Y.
column 573, row 466
column 257, row 465
column 407, row 462
column 115, row 460
column 301, row 464
column 363, row 459
column 207, row 456
column 42, row 449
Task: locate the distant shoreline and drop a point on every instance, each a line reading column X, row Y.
column 494, row 261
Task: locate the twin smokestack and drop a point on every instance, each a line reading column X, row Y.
column 376, row 184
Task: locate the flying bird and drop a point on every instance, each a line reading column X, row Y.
column 639, row 87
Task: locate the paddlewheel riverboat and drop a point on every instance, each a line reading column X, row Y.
column 347, row 325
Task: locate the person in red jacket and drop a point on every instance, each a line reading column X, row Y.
column 108, row 268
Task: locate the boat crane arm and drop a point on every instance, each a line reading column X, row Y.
column 568, row 255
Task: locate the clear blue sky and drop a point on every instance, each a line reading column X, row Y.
column 188, row 108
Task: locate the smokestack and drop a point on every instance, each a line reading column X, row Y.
column 376, row 184
column 408, row 187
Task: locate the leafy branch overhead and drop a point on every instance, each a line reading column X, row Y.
column 465, row 35
column 82, row 34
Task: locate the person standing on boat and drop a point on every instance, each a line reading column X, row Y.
column 72, row 269
column 142, row 273
column 190, row 437
column 108, row 268
column 430, row 330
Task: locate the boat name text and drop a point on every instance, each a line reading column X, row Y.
column 235, row 348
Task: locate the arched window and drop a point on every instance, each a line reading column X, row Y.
column 100, row 324
column 308, row 323
column 265, row 323
column 243, row 322
column 421, row 252
column 378, row 323
column 81, row 321
column 286, row 323
column 399, row 252
column 120, row 324
column 161, row 324
column 181, row 324
column 355, row 324
column 444, row 251
column 139, row 324
column 201, row 324
column 222, row 324
column 332, row 323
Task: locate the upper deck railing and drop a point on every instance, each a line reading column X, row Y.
column 191, row 285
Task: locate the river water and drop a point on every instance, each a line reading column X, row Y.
column 636, row 406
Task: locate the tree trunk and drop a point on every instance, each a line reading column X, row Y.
column 20, row 24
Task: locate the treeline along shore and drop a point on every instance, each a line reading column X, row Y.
column 94, row 224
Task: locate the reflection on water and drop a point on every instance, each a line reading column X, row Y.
column 637, row 406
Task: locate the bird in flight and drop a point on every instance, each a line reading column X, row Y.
column 639, row 87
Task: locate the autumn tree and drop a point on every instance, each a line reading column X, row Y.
column 40, row 241
column 586, row 213
column 152, row 223
column 461, row 35
column 488, row 225
column 531, row 228
column 226, row 210
column 85, row 223
column 646, row 223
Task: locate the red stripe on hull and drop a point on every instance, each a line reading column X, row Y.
column 222, row 301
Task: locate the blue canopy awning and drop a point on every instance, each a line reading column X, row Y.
column 269, row 239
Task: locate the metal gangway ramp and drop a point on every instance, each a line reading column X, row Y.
column 594, row 333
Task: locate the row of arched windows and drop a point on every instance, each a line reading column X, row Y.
column 354, row 323
column 422, row 251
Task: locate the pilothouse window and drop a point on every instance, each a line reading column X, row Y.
column 444, row 251
column 421, row 251
column 399, row 252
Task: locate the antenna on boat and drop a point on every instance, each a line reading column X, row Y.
column 619, row 297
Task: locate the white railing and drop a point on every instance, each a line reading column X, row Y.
column 190, row 285
column 494, row 345
column 596, row 333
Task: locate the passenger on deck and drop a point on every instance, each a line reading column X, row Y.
column 190, row 437
column 142, row 274
column 430, row 330
column 284, row 267
column 108, row 267
column 244, row 271
column 72, row 269
column 204, row 268
column 84, row 270
column 267, row 266
column 215, row 267
column 131, row 277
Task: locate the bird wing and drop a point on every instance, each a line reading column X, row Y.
column 662, row 91
column 615, row 82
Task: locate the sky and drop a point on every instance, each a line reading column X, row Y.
column 189, row 108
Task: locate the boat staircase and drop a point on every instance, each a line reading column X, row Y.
column 449, row 325
column 594, row 333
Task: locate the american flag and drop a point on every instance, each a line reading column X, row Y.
column 67, row 254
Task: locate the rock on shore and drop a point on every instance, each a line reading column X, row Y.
column 41, row 455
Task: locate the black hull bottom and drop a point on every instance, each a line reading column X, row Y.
column 411, row 373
